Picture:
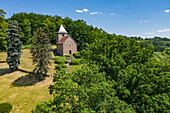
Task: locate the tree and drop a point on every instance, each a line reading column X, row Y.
column 3, row 29
column 26, row 31
column 120, row 76
column 40, row 51
column 50, row 29
column 14, row 45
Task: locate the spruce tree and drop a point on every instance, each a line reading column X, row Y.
column 41, row 54
column 14, row 45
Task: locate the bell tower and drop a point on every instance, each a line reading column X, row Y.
column 61, row 33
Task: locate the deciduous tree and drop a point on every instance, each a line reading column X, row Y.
column 3, row 29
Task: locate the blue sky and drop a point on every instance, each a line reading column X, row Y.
column 146, row 18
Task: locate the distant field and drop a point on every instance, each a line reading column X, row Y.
column 23, row 99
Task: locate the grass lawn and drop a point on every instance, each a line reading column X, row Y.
column 23, row 99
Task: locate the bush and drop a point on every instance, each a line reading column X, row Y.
column 5, row 108
column 60, row 60
column 64, row 66
column 75, row 61
column 67, row 56
column 77, row 55
column 26, row 46
column 61, row 67
column 58, row 67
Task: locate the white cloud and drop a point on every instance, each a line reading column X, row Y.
column 112, row 14
column 85, row 10
column 82, row 11
column 146, row 21
column 163, row 30
column 140, row 21
column 79, row 11
column 167, row 11
column 149, row 33
column 95, row 13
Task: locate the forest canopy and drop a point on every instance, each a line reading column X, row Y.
column 82, row 33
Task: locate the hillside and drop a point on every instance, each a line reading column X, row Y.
column 23, row 98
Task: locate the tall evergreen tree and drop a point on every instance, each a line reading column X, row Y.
column 3, row 29
column 41, row 52
column 14, row 45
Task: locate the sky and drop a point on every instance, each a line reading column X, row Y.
column 145, row 18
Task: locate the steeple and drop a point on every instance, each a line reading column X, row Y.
column 61, row 33
column 62, row 30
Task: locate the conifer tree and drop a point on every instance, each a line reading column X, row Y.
column 41, row 52
column 14, row 45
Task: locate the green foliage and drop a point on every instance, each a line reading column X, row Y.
column 41, row 53
column 64, row 66
column 26, row 47
column 119, row 76
column 50, row 28
column 75, row 61
column 167, row 51
column 3, row 30
column 5, row 108
column 14, row 45
column 60, row 67
column 82, row 33
column 60, row 60
column 77, row 55
column 67, row 56
column 26, row 31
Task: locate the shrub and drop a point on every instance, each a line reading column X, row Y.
column 67, row 56
column 75, row 61
column 26, row 46
column 60, row 67
column 5, row 108
column 64, row 66
column 77, row 55
column 60, row 60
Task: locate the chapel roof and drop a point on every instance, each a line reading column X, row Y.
column 62, row 29
column 63, row 40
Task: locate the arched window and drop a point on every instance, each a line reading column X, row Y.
column 70, row 52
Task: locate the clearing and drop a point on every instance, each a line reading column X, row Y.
column 22, row 98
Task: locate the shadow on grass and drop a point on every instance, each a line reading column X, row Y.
column 8, row 71
column 28, row 80
column 2, row 61
column 5, row 71
column 55, row 52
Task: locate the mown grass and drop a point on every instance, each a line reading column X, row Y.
column 23, row 99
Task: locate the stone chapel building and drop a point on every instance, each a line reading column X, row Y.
column 65, row 44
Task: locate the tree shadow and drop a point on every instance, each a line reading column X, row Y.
column 55, row 52
column 2, row 61
column 28, row 80
column 5, row 71
column 23, row 71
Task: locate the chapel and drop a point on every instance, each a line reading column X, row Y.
column 65, row 43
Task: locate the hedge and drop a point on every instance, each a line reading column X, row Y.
column 60, row 67
column 67, row 56
column 75, row 61
column 60, row 60
column 77, row 55
column 5, row 108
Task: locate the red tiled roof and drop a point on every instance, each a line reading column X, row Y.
column 63, row 40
